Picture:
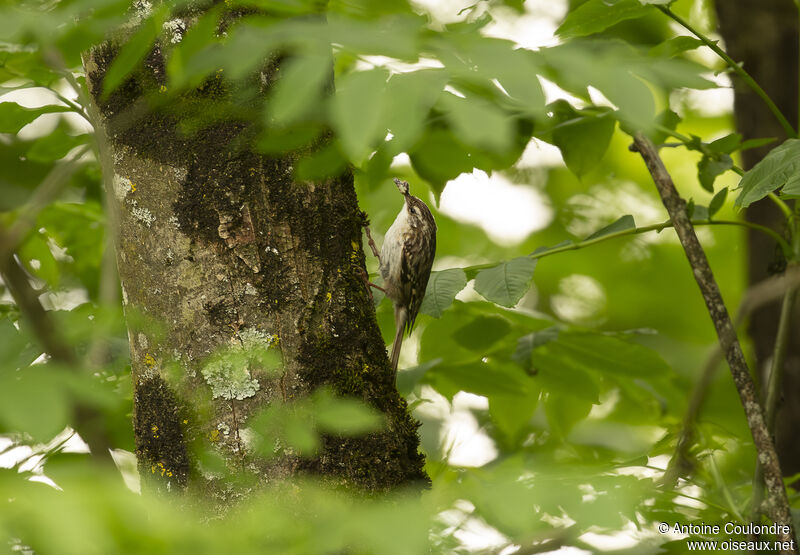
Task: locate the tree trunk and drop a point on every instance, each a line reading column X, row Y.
column 219, row 247
column 763, row 34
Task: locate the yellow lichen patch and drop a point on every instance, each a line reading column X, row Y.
column 153, row 468
column 355, row 245
column 149, row 360
column 154, row 429
column 328, row 297
column 163, row 88
column 133, row 187
column 214, row 435
column 185, row 421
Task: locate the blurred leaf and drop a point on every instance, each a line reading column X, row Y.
column 623, row 223
column 597, row 15
column 408, row 378
column 726, row 144
column 477, row 121
column 321, row 164
column 709, row 168
column 755, row 143
column 410, row 97
column 511, row 413
column 675, row 46
column 299, row 88
column 55, row 145
column 133, row 51
column 668, row 120
column 443, row 286
column 345, row 416
column 14, row 117
column 564, row 411
column 506, row 283
column 476, row 377
column 779, row 168
column 583, row 141
column 606, row 354
column 439, row 157
column 356, row 111
column 717, row 202
column 35, row 253
column 33, row 401
column 481, row 333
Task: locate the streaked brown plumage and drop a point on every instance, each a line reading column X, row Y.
column 405, row 263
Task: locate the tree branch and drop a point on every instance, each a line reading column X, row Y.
column 779, row 504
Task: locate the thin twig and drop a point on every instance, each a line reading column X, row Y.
column 638, row 231
column 27, row 300
column 676, row 207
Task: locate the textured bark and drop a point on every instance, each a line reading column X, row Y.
column 219, row 246
column 763, row 35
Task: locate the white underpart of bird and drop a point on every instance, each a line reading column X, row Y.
column 405, row 263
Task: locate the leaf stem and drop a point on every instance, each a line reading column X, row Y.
column 737, row 68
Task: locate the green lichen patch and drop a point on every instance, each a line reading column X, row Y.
column 228, row 372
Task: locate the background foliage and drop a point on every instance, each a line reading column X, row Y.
column 572, row 366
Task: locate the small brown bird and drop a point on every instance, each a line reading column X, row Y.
column 405, row 263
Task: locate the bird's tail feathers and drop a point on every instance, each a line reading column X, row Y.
column 400, row 319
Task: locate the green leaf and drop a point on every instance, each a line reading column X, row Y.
column 755, row 143
column 622, row 224
column 14, row 117
column 674, row 46
column 356, row 112
column 583, row 141
column 527, row 343
column 717, row 202
column 478, row 122
column 439, row 157
column 564, row 411
column 299, row 88
column 476, row 377
column 38, row 259
column 512, row 413
column 727, row 144
column 443, row 286
column 605, row 354
column 597, row 15
column 33, row 401
column 482, row 332
column 323, row 163
column 55, row 145
column 668, row 120
column 347, row 417
column 775, row 170
column 506, row 283
column 708, row 168
column 133, row 51
column 410, row 97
